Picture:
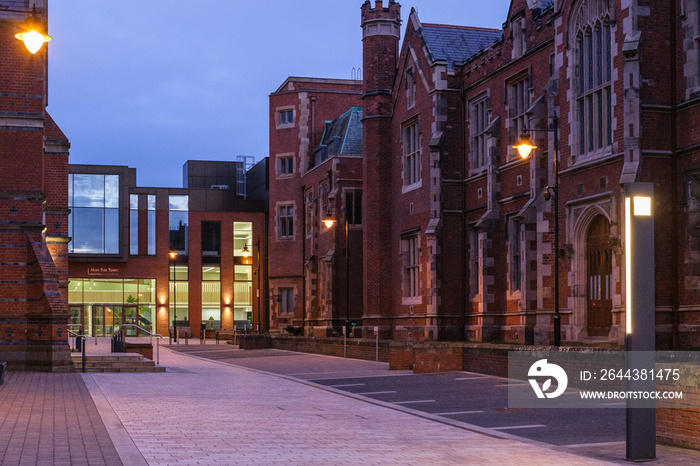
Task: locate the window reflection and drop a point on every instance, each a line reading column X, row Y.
column 88, row 190
column 112, row 191
column 151, row 224
column 93, row 223
column 134, row 224
column 88, row 225
column 178, row 223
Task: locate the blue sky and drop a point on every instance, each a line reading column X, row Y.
column 153, row 83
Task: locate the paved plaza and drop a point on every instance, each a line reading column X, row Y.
column 204, row 411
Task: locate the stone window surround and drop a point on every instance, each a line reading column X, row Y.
column 408, row 157
column 278, row 112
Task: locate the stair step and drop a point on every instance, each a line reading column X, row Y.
column 110, row 357
column 125, row 370
column 115, row 362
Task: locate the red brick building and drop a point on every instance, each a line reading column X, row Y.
column 33, row 205
column 315, row 171
column 121, row 271
column 458, row 236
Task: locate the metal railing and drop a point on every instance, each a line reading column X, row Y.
column 80, row 343
column 151, row 335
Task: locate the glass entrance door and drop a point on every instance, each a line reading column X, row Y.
column 131, row 314
column 106, row 319
column 75, row 320
column 98, row 320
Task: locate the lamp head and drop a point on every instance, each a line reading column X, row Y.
column 173, row 255
column 33, row 37
column 328, row 221
column 245, row 251
column 524, row 146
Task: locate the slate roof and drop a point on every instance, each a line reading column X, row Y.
column 455, row 43
column 348, row 129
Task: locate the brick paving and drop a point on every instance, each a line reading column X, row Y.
column 206, row 412
column 210, row 412
column 51, row 419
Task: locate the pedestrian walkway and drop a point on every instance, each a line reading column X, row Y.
column 210, row 412
column 50, row 419
column 205, row 412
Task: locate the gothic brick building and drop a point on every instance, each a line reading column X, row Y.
column 33, row 206
column 315, row 171
column 458, row 236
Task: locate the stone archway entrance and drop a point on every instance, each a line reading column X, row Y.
column 599, row 277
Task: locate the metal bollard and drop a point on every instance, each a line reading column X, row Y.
column 82, row 340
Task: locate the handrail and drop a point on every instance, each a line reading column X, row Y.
column 82, row 345
column 75, row 335
column 151, row 335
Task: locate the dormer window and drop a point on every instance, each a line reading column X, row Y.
column 518, row 29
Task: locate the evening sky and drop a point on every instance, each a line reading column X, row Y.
column 153, row 83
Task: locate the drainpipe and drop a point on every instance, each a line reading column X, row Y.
column 675, row 337
column 303, row 259
column 463, row 174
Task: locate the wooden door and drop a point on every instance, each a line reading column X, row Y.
column 599, row 277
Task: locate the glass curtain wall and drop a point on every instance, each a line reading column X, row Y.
column 211, row 296
column 134, row 224
column 243, row 273
column 101, row 306
column 179, row 295
column 151, row 224
column 93, row 223
column 178, row 224
column 179, row 271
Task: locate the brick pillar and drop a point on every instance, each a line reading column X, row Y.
column 33, row 208
column 380, row 36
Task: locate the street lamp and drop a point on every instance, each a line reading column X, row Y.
column 328, row 221
column 246, row 253
column 524, row 147
column 173, row 256
column 33, row 36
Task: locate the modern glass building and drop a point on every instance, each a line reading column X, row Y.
column 155, row 257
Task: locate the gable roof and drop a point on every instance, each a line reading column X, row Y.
column 456, row 43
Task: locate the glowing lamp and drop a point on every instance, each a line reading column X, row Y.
column 639, row 262
column 33, row 40
column 245, row 251
column 524, row 146
column 328, row 221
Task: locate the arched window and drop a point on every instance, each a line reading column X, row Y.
column 593, row 49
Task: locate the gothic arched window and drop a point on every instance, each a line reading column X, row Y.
column 593, row 89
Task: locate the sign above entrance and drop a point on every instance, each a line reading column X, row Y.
column 103, row 271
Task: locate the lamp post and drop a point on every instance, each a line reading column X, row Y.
column 246, row 253
column 524, row 148
column 33, row 36
column 328, row 221
column 173, row 256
